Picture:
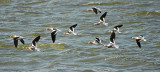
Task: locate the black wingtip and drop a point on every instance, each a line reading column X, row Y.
column 74, row 25
column 53, row 36
column 112, row 37
column 36, row 40
column 103, row 16
column 95, row 10
column 97, row 38
column 99, row 11
column 118, row 26
column 105, row 13
column 138, row 43
column 38, row 37
column 15, row 42
column 22, row 41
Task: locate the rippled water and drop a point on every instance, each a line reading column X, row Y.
column 30, row 18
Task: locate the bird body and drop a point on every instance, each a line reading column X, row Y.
column 139, row 39
column 71, row 30
column 34, row 44
column 53, row 33
column 116, row 29
column 97, row 41
column 16, row 38
column 112, row 43
column 102, row 20
column 95, row 10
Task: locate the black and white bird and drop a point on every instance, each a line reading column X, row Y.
column 139, row 39
column 95, row 9
column 97, row 41
column 116, row 29
column 112, row 43
column 53, row 33
column 34, row 44
column 16, row 38
column 71, row 30
column 102, row 20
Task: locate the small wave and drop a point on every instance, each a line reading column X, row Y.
column 110, row 3
column 93, row 59
column 11, row 63
column 7, row 30
column 146, row 13
column 31, row 3
column 33, row 13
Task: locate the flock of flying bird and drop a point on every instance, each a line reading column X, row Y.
column 71, row 31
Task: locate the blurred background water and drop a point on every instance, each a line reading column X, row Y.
column 30, row 18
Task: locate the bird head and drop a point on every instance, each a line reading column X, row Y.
column 66, row 33
column 90, row 42
column 134, row 37
column 90, row 10
column 12, row 36
column 96, row 23
column 28, row 47
column 110, row 31
column 106, row 45
column 49, row 29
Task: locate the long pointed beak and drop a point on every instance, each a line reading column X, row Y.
column 134, row 37
column 90, row 9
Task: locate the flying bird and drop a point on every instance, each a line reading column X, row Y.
column 97, row 41
column 96, row 10
column 71, row 30
column 53, row 33
column 139, row 39
column 34, row 44
column 102, row 20
column 112, row 43
column 16, row 38
column 116, row 29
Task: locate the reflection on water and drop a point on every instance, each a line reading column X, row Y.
column 30, row 18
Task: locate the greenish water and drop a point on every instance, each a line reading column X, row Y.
column 30, row 18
